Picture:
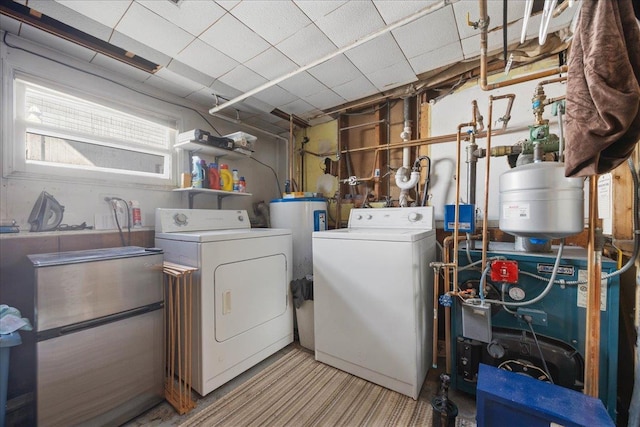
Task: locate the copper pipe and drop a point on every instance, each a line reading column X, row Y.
column 594, row 274
column 436, row 289
column 556, row 80
column 291, row 154
column 484, row 23
column 556, row 99
column 444, row 138
column 485, row 217
column 447, row 288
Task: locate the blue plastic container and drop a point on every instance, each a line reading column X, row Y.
column 509, row 399
column 466, row 218
column 6, row 342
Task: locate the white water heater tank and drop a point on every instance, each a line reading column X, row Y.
column 538, row 201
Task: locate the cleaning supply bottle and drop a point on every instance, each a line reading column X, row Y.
column 205, row 174
column 226, row 178
column 236, row 180
column 242, row 185
column 136, row 214
column 214, row 176
column 196, row 173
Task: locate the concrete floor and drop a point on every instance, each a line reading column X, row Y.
column 164, row 415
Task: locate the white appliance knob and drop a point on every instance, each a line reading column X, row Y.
column 240, row 218
column 358, row 216
column 180, row 219
column 414, row 216
column 369, row 216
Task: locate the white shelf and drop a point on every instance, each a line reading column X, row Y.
column 220, row 193
column 196, row 147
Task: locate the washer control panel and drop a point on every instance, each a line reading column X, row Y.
column 417, row 217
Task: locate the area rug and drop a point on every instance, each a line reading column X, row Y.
column 298, row 391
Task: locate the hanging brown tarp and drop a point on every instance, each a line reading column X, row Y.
column 603, row 88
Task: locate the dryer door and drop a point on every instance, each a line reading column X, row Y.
column 249, row 293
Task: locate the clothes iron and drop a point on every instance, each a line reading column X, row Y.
column 46, row 214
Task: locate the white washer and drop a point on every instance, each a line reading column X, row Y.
column 373, row 294
column 242, row 311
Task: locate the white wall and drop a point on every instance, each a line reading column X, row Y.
column 84, row 200
column 455, row 109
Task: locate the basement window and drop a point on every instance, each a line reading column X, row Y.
column 64, row 134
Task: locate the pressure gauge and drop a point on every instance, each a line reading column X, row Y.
column 516, row 293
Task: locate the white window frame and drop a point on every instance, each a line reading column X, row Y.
column 14, row 145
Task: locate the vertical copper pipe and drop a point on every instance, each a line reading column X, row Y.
column 291, row 156
column 485, row 217
column 447, row 310
column 484, row 24
column 594, row 269
column 436, row 290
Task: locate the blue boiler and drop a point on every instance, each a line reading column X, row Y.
column 558, row 321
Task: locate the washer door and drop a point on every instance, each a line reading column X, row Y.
column 249, row 293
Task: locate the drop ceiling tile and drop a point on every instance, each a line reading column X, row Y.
column 202, row 97
column 298, row 107
column 325, row 99
column 471, row 45
column 106, row 12
column 350, row 22
column 142, row 50
column 172, row 82
column 271, row 64
column 182, row 83
column 256, row 105
column 190, row 73
column 335, row 71
column 437, row 58
column 228, row 4
column 157, row 32
column 243, row 79
column 428, row 33
column 302, row 84
column 120, row 68
column 9, row 25
column 206, row 59
column 70, row 17
column 55, row 42
column 376, row 54
column 317, row 9
column 393, row 10
column 515, row 11
column 396, row 75
column 355, row 89
column 235, row 39
column 262, row 124
column 224, row 91
column 276, row 96
column 275, row 22
column 307, row 45
column 193, row 16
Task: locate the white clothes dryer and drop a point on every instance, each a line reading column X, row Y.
column 242, row 310
column 373, row 294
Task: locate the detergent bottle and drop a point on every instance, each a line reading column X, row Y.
column 196, row 173
column 226, row 178
column 214, row 176
column 236, row 180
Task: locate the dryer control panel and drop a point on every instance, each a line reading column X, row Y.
column 414, row 218
column 181, row 220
